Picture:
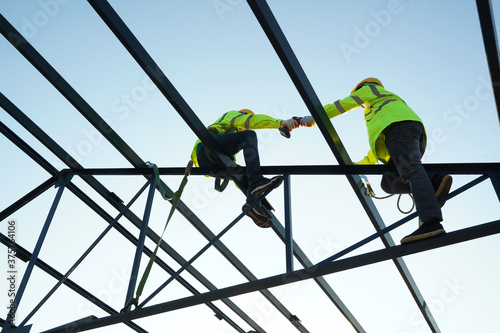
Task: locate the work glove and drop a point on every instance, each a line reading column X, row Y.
column 307, row 121
column 290, row 124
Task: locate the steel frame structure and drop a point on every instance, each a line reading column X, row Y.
column 61, row 179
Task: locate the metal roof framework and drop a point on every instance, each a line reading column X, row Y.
column 62, row 180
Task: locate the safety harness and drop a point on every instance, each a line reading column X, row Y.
column 371, row 194
column 220, row 182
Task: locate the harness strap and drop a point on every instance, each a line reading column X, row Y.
column 221, row 187
column 175, row 201
column 220, row 182
column 371, row 194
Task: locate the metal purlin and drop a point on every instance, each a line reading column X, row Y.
column 118, row 27
column 490, row 40
column 62, row 155
column 85, row 109
column 278, row 40
column 81, row 105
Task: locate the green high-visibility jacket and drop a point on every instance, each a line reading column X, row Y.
column 234, row 121
column 382, row 108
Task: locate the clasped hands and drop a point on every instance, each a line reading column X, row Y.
column 294, row 122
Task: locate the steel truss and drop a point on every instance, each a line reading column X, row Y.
column 61, row 179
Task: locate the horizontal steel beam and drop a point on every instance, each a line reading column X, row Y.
column 463, row 235
column 450, row 168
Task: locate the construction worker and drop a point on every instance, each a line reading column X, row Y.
column 397, row 137
column 233, row 132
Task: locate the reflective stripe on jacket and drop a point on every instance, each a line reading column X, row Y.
column 382, row 108
column 234, row 121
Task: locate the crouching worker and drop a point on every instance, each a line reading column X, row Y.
column 233, row 131
column 397, row 137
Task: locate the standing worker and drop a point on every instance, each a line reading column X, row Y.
column 397, row 137
column 233, row 132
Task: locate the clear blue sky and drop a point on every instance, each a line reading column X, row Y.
column 217, row 56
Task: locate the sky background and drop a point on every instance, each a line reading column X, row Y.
column 215, row 53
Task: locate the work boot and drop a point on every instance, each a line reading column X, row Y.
column 426, row 230
column 442, row 190
column 258, row 216
column 444, row 187
column 265, row 184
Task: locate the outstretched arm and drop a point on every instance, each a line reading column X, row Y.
column 353, row 101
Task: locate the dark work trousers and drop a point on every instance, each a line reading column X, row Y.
column 406, row 142
column 232, row 144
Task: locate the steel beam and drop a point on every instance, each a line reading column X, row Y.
column 9, row 134
column 318, row 170
column 25, row 255
column 399, row 223
column 203, row 250
column 82, row 106
column 86, row 253
column 140, row 245
column 134, row 47
column 25, row 48
column 29, row 125
column 147, row 63
column 495, row 180
column 27, row 198
column 157, row 76
column 288, row 224
column 278, row 40
column 490, row 40
column 219, row 314
column 170, row 251
column 112, row 199
column 31, row 264
column 158, row 261
column 463, row 235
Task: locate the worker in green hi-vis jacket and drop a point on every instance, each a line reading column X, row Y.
column 233, row 131
column 397, row 137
